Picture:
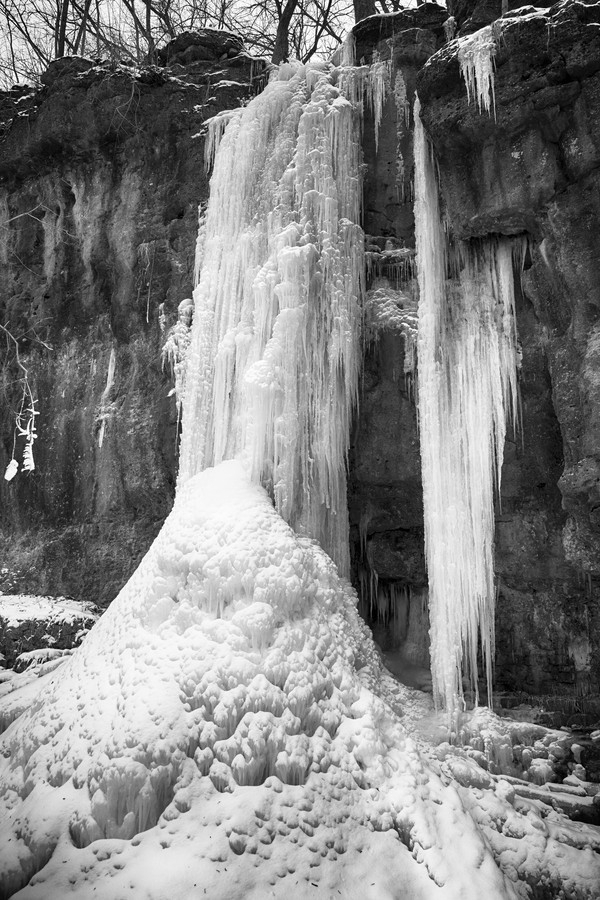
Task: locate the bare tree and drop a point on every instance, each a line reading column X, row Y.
column 33, row 32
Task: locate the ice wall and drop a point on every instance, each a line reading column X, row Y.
column 467, row 392
column 273, row 365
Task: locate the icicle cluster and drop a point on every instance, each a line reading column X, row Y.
column 378, row 86
column 476, row 54
column 175, row 347
column 467, row 391
column 273, row 364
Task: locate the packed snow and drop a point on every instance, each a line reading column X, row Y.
column 236, row 743
column 227, row 729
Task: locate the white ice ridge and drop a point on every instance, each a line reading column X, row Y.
column 273, row 365
column 219, row 731
column 476, row 53
column 467, row 363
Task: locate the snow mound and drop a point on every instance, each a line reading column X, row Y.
column 236, row 741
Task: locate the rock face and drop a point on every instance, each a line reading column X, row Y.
column 531, row 170
column 101, row 173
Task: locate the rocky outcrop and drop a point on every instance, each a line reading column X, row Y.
column 31, row 624
column 101, row 174
column 530, row 170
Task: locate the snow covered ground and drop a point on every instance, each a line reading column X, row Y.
column 227, row 727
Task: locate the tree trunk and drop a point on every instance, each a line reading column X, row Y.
column 281, row 50
column 62, row 29
column 149, row 32
column 363, row 8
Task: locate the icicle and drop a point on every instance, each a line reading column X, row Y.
column 273, row 363
column 378, row 86
column 216, row 129
column 467, row 361
column 476, row 54
column 450, row 28
column 402, row 126
column 175, row 348
column 348, row 56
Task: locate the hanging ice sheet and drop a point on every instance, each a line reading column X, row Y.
column 467, row 392
column 273, row 368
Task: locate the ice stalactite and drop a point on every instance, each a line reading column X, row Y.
column 378, row 86
column 273, row 366
column 402, row 127
column 476, row 53
column 467, row 392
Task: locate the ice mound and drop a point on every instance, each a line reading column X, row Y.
column 220, row 729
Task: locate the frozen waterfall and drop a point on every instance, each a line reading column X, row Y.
column 273, row 366
column 226, row 729
column 467, row 390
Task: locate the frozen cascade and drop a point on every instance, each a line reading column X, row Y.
column 476, row 54
column 273, row 366
column 226, row 728
column 467, row 352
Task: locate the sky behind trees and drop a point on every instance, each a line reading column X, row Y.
column 34, row 32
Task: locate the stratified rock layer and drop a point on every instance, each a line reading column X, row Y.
column 101, row 173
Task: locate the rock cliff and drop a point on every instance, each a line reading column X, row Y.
column 101, row 174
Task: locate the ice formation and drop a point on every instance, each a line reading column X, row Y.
column 476, row 53
column 175, row 348
column 273, row 364
column 387, row 309
column 467, row 392
column 226, row 729
column 402, row 128
column 378, row 86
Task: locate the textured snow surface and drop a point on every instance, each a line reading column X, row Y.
column 273, row 365
column 18, row 608
column 467, row 351
column 235, row 742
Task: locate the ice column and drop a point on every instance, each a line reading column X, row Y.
column 467, row 391
column 273, row 365
column 476, row 54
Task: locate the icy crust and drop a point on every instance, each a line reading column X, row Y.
column 220, row 730
column 273, row 365
column 467, row 390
